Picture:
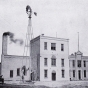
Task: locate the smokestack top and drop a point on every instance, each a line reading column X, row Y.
column 11, row 36
column 8, row 33
column 4, row 43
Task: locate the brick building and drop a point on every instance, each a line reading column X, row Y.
column 78, row 66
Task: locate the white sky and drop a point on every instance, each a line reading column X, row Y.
column 66, row 17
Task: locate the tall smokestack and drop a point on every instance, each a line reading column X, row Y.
column 4, row 43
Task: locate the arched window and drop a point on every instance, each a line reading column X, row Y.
column 53, row 60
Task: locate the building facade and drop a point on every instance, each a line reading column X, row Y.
column 78, row 66
column 49, row 58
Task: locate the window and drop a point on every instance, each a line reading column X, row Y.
column 62, row 62
column 45, row 61
column 73, row 73
column 53, row 61
column 45, row 73
column 73, row 63
column 84, row 63
column 62, row 47
column 11, row 73
column 79, row 63
column 84, row 73
column 18, row 71
column 53, row 46
column 45, row 45
column 63, row 71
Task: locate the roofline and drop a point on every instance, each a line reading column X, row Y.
column 15, row 56
column 54, row 38
column 47, row 37
column 35, row 39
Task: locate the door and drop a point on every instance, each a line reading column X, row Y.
column 53, row 76
column 32, row 76
column 79, row 74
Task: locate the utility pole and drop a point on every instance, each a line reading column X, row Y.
column 78, row 41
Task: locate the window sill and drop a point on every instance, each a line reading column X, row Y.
column 45, row 49
column 63, row 77
column 62, row 66
column 53, row 66
column 11, row 77
column 45, row 77
column 18, row 75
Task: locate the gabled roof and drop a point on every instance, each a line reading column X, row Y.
column 72, row 56
column 79, row 53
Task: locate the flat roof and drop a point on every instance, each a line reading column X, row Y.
column 49, row 38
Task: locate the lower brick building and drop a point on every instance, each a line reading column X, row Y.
column 12, row 66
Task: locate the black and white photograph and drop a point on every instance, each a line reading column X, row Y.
column 43, row 43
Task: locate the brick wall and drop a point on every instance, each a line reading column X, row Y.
column 11, row 62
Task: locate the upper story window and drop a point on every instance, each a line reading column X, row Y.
column 62, row 62
column 45, row 61
column 53, row 46
column 11, row 73
column 84, row 63
column 53, row 61
column 45, row 73
column 62, row 47
column 45, row 45
column 79, row 63
column 73, row 73
column 63, row 73
column 18, row 71
column 73, row 63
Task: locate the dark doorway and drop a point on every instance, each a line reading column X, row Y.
column 79, row 74
column 32, row 76
column 53, row 76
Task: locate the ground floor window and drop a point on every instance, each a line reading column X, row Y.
column 18, row 71
column 11, row 73
column 84, row 73
column 45, row 73
column 73, row 73
column 63, row 73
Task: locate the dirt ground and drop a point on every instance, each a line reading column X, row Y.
column 64, row 84
column 20, row 86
